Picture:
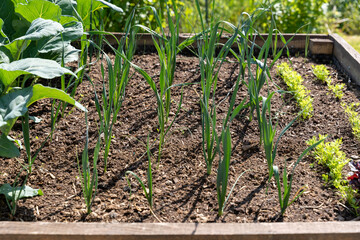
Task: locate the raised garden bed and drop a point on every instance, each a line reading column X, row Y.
column 182, row 190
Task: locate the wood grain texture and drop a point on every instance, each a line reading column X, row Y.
column 347, row 56
column 298, row 41
column 321, row 46
column 175, row 231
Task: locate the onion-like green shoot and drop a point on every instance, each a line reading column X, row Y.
column 148, row 192
column 113, row 91
column 89, row 181
column 284, row 185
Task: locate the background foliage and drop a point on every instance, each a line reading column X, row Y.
column 322, row 16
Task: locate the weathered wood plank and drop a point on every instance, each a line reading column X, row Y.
column 321, row 46
column 347, row 56
column 298, row 41
column 174, row 231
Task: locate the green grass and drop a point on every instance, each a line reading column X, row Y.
column 353, row 40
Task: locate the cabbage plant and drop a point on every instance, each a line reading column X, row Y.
column 32, row 49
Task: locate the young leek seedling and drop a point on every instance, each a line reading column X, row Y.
column 89, row 181
column 113, row 92
column 167, row 46
column 223, row 172
column 268, row 131
column 148, row 193
column 285, row 190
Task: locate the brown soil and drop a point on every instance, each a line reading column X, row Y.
column 182, row 190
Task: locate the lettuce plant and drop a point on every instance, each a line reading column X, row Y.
column 321, row 72
column 354, row 118
column 294, row 81
column 330, row 155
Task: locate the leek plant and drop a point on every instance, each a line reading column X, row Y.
column 167, row 46
column 256, row 80
column 223, row 148
column 148, row 192
column 213, row 143
column 210, row 65
column 285, row 190
column 268, row 132
column 89, row 181
column 113, row 91
column 223, row 170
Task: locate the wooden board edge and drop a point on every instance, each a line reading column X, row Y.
column 186, row 231
column 298, row 41
column 347, row 57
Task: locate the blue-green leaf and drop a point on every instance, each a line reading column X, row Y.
column 41, row 28
column 16, row 103
column 8, row 148
column 112, row 6
column 13, row 105
column 85, row 9
column 7, row 15
column 39, row 9
column 66, row 6
column 3, row 38
column 56, row 42
column 19, row 192
column 44, row 68
column 40, row 92
column 13, row 50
